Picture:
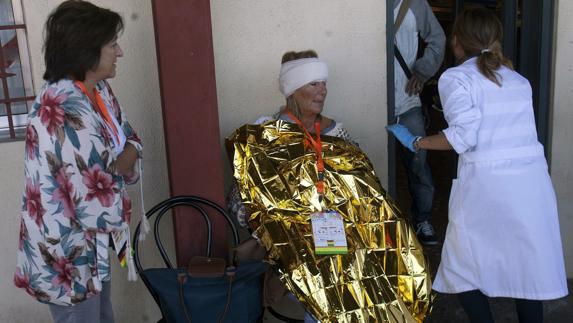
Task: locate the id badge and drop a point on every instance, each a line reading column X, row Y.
column 328, row 233
column 119, row 239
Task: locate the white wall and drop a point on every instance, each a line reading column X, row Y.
column 562, row 132
column 137, row 88
column 250, row 37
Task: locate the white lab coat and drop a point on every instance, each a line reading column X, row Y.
column 503, row 233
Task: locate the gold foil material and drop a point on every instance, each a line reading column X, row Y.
column 383, row 278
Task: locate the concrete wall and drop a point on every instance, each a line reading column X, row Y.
column 562, row 132
column 137, row 88
column 250, row 37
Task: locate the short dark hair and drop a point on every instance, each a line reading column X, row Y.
column 75, row 33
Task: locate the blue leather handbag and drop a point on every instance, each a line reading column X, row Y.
column 207, row 291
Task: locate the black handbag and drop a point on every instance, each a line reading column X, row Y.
column 209, row 290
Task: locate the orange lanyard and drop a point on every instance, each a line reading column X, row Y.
column 100, row 107
column 317, row 146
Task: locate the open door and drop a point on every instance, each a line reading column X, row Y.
column 528, row 28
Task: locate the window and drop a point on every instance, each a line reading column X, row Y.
column 16, row 89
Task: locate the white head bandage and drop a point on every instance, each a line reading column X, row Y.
column 297, row 73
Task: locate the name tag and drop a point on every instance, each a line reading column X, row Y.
column 119, row 239
column 328, row 233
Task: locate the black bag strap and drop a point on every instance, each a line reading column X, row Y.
column 197, row 203
column 402, row 62
column 399, row 19
column 401, row 14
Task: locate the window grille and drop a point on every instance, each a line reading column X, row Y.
column 16, row 88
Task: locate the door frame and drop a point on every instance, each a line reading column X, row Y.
column 537, row 66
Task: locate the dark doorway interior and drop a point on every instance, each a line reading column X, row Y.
column 528, row 42
column 531, row 57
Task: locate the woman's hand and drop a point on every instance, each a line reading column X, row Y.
column 126, row 160
column 403, row 135
column 414, row 85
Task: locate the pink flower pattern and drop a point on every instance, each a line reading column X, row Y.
column 99, row 184
column 65, row 270
column 23, row 235
column 22, row 281
column 69, row 199
column 34, row 202
column 64, row 193
column 51, row 113
column 31, row 142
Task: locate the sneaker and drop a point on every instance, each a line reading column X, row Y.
column 426, row 234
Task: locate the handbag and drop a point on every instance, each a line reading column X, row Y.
column 209, row 289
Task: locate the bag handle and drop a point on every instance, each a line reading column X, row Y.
column 198, row 203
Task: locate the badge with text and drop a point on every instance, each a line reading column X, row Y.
column 328, row 233
column 119, row 239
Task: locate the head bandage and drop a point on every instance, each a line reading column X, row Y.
column 297, row 73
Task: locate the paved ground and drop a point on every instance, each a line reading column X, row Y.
column 446, row 308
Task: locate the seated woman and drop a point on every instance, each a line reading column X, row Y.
column 312, row 198
column 304, row 103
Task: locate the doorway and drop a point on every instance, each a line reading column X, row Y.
column 528, row 28
column 528, row 32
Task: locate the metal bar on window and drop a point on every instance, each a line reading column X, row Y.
column 6, row 94
column 15, row 50
column 14, row 100
column 8, row 27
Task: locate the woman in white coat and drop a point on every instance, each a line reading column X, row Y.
column 503, row 235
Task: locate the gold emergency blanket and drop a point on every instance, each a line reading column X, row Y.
column 383, row 278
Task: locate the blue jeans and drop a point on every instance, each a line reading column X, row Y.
column 96, row 309
column 420, row 183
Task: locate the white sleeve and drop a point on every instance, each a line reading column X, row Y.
column 339, row 131
column 460, row 111
column 263, row 119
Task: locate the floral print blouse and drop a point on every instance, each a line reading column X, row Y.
column 72, row 195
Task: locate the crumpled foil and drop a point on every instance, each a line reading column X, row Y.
column 383, row 278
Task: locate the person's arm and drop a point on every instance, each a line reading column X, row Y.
column 125, row 164
column 434, row 142
column 461, row 109
column 433, row 35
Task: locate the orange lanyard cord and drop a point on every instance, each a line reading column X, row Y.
column 317, row 147
column 100, row 107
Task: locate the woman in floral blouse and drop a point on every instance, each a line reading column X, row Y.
column 80, row 154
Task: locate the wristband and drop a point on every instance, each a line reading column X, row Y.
column 415, row 144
